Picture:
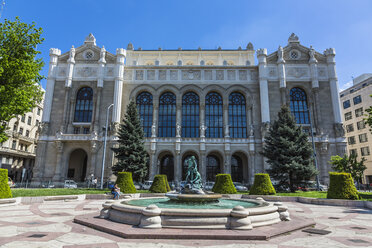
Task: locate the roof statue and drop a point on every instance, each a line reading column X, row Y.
column 250, row 46
column 293, row 38
column 90, row 39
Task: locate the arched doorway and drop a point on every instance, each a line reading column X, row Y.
column 213, row 167
column 77, row 165
column 184, row 167
column 167, row 166
column 239, row 167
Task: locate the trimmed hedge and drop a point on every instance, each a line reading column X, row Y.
column 224, row 184
column 341, row 186
column 262, row 185
column 160, row 184
column 4, row 186
column 125, row 183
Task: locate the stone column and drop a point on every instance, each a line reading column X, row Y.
column 153, row 165
column 101, row 74
column 251, row 166
column 179, row 115
column 315, row 89
column 203, row 165
column 226, row 120
column 155, row 116
column 177, row 168
column 227, row 165
column 58, row 169
column 68, row 84
column 264, row 89
column 96, row 110
column 119, row 78
column 281, row 75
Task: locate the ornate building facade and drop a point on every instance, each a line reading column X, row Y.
column 214, row 104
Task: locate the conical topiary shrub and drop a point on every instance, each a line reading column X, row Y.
column 167, row 183
column 262, row 185
column 341, row 186
column 125, row 183
column 224, row 184
column 4, row 186
column 160, row 184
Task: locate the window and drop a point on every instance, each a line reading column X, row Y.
column 157, row 62
column 224, row 62
column 29, row 120
column 298, row 105
column 358, row 112
column 363, row 138
column 179, row 62
column 190, row 115
column 214, row 115
column 15, row 127
column 167, row 167
column 76, row 130
column 346, row 104
column 145, row 109
column 353, row 152
column 237, row 116
column 348, row 116
column 84, row 105
column 38, row 111
column 357, row 99
column 86, row 130
column 21, row 147
column 202, row 62
column 14, row 144
column 361, row 125
column 20, row 131
column 27, row 133
column 351, row 140
column 236, row 169
column 349, row 128
column 23, row 118
column 37, row 123
column 213, row 167
column 364, row 151
column 167, row 115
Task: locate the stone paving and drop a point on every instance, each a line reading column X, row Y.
column 50, row 224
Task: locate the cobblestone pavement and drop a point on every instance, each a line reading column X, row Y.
column 50, row 224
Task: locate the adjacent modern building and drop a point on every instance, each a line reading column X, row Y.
column 354, row 101
column 17, row 154
column 216, row 105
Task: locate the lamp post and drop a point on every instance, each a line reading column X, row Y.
column 104, row 144
column 314, row 151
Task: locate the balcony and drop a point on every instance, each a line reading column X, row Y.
column 15, row 152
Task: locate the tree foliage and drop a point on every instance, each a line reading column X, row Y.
column 20, row 88
column 131, row 153
column 349, row 164
column 368, row 119
column 288, row 151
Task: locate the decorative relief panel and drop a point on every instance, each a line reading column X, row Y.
column 109, row 71
column 208, row 75
column 162, row 74
column 139, row 74
column 62, row 71
column 191, row 75
column 273, row 72
column 254, row 75
column 86, row 72
column 243, row 75
column 174, row 74
column 128, row 74
column 297, row 72
column 322, row 72
column 231, row 75
column 151, row 75
column 219, row 75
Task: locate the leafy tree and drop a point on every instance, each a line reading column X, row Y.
column 349, row 164
column 131, row 153
column 288, row 151
column 20, row 88
column 368, row 119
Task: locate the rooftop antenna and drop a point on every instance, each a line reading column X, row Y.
column 2, row 7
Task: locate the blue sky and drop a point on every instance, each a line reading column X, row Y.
column 344, row 25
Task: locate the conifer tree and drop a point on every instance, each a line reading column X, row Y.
column 288, row 151
column 131, row 153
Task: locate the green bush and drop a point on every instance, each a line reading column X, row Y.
column 224, row 184
column 4, row 186
column 341, row 186
column 262, row 185
column 125, row 183
column 160, row 184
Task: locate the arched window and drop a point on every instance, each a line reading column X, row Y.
column 167, row 115
column 84, row 105
column 298, row 105
column 237, row 116
column 190, row 115
column 213, row 167
column 214, row 115
column 145, row 108
column 167, row 167
column 236, row 169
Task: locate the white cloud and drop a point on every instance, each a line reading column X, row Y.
column 346, row 85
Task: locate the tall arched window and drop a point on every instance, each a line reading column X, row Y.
column 167, row 167
column 167, row 115
column 237, row 116
column 190, row 115
column 236, row 169
column 213, row 167
column 298, row 105
column 214, row 115
column 84, row 105
column 145, row 108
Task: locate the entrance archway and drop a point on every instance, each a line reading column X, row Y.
column 213, row 167
column 239, row 167
column 167, row 166
column 77, row 165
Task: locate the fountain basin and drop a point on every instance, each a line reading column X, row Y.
column 260, row 213
column 197, row 198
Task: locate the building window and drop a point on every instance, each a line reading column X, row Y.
column 38, row 111
column 14, row 144
column 145, row 109
column 84, row 105
column 346, row 104
column 202, row 62
column 363, row 138
column 37, row 123
column 29, row 120
column 353, row 152
column 224, row 62
column 237, row 116
column 190, row 115
column 236, row 169
column 348, row 116
column 86, row 130
column 76, row 130
column 358, row 112
column 349, row 128
column 27, row 133
column 20, row 131
column 167, row 115
column 357, row 99
column 179, row 62
column 351, row 140
column 364, row 151
column 214, row 115
column 213, row 167
column 23, row 118
column 15, row 128
column 361, row 125
column 298, row 105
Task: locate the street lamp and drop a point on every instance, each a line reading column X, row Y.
column 314, row 151
column 104, row 144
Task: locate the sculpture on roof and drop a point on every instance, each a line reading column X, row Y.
column 250, row 46
column 293, row 38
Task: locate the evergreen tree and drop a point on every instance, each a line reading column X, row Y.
column 288, row 151
column 131, row 153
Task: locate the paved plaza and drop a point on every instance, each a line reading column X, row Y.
column 50, row 224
